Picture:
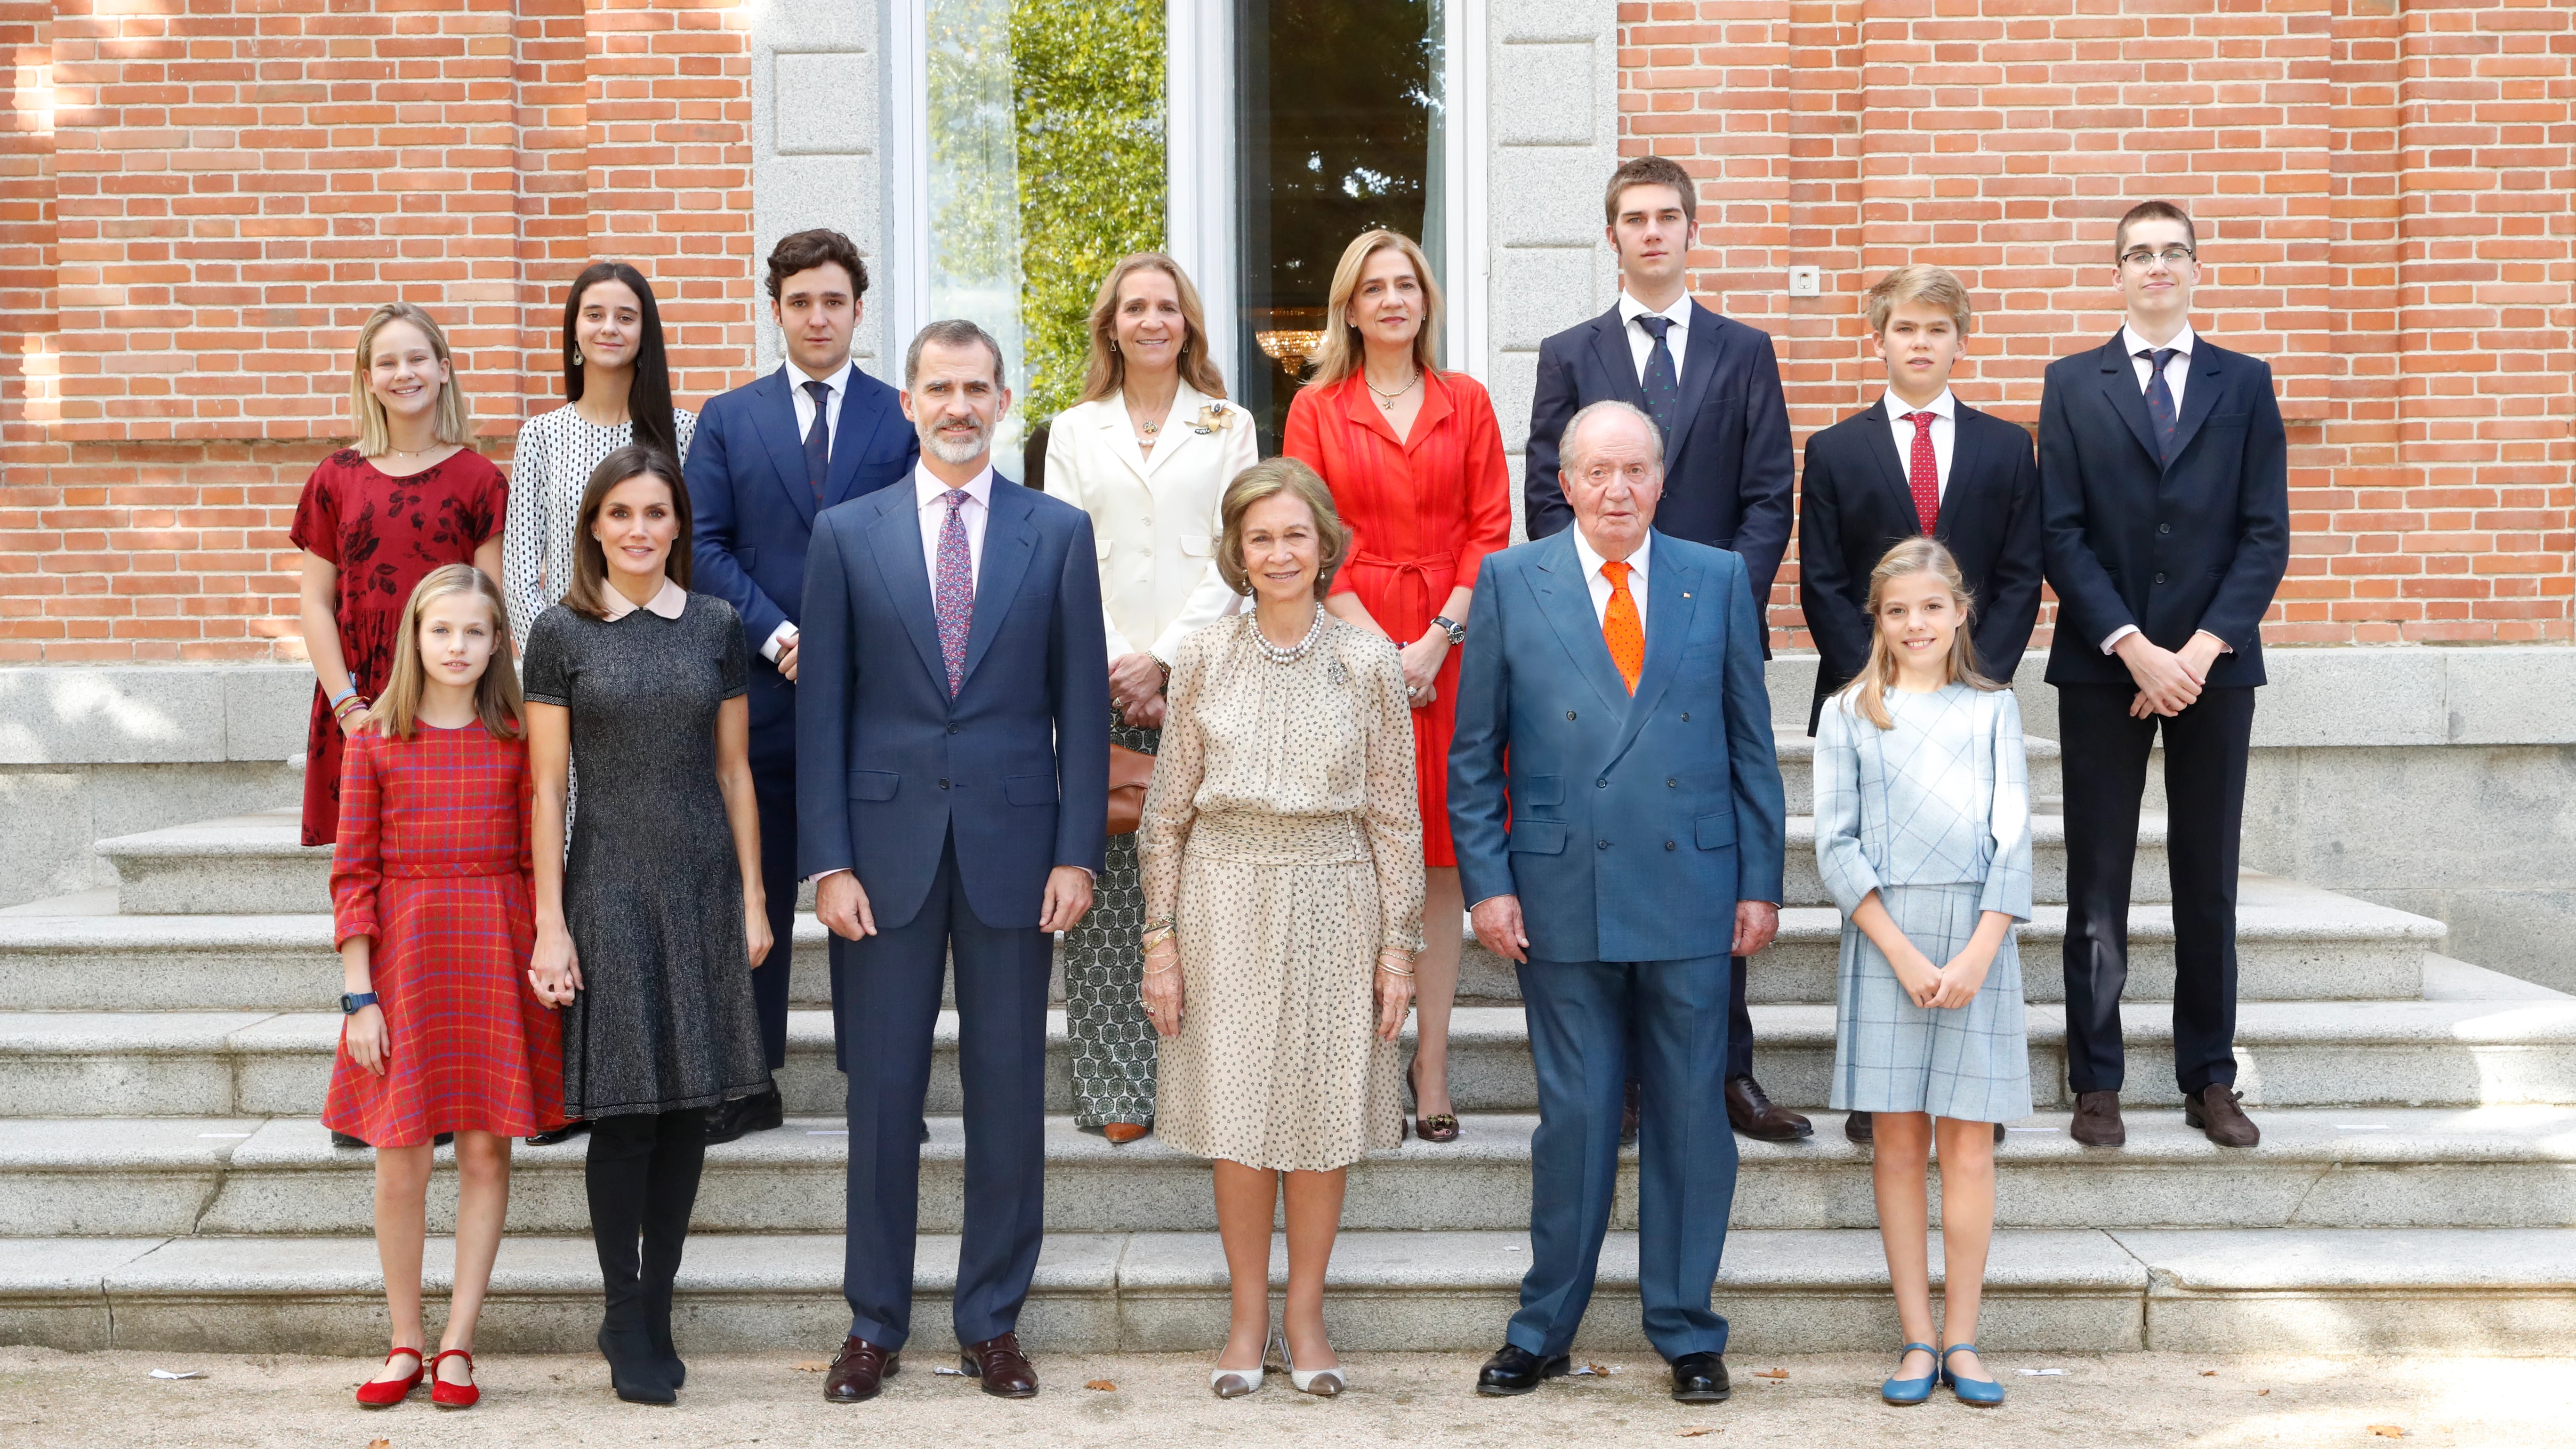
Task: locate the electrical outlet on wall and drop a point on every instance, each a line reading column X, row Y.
column 1806, row 281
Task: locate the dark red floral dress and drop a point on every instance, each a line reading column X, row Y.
column 384, row 535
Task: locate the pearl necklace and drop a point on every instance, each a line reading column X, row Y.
column 1294, row 652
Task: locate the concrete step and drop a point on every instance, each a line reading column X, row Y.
column 2289, row 1054
column 2466, row 1290
column 2294, row 943
column 2331, row 1167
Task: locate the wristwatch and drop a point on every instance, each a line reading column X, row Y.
column 351, row 1004
column 1456, row 631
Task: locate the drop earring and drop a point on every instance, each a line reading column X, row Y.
column 576, row 357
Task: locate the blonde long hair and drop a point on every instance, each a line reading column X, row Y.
column 455, row 416
column 496, row 694
column 1340, row 353
column 1107, row 374
column 1917, row 555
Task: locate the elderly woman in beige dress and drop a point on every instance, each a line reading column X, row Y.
column 1282, row 856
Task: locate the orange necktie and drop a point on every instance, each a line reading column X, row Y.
column 1621, row 629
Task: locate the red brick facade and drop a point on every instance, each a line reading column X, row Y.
column 200, row 199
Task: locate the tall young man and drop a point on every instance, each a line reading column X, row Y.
column 2164, row 475
column 767, row 456
column 1917, row 461
column 1712, row 387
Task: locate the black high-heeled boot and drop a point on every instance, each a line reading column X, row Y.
column 671, row 1195
column 620, row 1160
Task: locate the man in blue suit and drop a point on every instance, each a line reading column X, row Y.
column 2164, row 482
column 1618, row 815
column 952, row 747
column 769, row 456
column 1712, row 385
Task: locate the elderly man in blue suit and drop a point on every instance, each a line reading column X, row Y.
column 952, row 751
column 770, row 455
column 1618, row 815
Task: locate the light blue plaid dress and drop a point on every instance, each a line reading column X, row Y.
column 1934, row 815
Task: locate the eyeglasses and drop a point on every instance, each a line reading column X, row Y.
column 2172, row 256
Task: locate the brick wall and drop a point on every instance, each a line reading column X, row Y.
column 2383, row 190
column 199, row 202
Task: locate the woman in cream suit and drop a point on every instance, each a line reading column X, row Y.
column 1147, row 452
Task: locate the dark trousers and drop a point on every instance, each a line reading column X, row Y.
column 1739, row 1027
column 774, row 790
column 1580, row 1018
column 885, row 1003
column 2105, row 754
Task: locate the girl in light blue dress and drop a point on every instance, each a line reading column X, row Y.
column 1923, row 836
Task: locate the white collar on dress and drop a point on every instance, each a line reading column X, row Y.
column 667, row 601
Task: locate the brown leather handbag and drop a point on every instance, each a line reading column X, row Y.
column 1130, row 771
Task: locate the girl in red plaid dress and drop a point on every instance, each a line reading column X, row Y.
column 430, row 906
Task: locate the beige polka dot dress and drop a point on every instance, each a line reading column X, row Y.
column 1283, row 839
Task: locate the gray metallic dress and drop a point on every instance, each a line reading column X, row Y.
column 652, row 891
column 1104, row 1010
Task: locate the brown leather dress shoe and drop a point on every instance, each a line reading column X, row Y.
column 1123, row 1133
column 2097, row 1120
column 858, row 1371
column 1755, row 1115
column 2217, row 1114
column 1006, row 1372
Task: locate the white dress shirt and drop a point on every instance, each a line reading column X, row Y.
column 1599, row 582
column 838, row 381
column 1945, row 436
column 1641, row 343
column 930, row 499
column 2177, row 368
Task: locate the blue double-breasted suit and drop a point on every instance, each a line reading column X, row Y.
column 1628, row 827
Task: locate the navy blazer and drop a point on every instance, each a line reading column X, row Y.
column 1016, row 764
column 752, row 513
column 1855, row 504
column 2200, row 543
column 1729, row 474
column 1628, row 827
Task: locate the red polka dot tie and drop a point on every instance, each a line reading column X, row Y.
column 1923, row 472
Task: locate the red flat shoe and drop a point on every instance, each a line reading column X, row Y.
column 386, row 1393
column 452, row 1396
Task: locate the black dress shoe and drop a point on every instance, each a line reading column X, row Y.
column 1700, row 1378
column 1856, row 1128
column 1751, row 1111
column 1631, row 1103
column 757, row 1113
column 1515, row 1370
column 567, row 1132
column 343, row 1139
column 925, row 1129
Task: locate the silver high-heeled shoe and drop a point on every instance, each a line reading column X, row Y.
column 1235, row 1383
column 1323, row 1383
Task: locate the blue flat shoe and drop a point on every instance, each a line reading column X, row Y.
column 1911, row 1391
column 1977, row 1393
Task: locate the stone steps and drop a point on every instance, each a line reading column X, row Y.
column 2303, row 1290
column 2316, row 1168
column 2397, row 1053
column 2294, row 943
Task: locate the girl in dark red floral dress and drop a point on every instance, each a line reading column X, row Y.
column 430, row 908
column 375, row 519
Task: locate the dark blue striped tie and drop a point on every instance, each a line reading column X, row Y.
column 818, row 438
column 1663, row 389
column 2160, row 403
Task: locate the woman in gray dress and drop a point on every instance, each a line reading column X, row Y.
column 650, row 927
column 1923, row 836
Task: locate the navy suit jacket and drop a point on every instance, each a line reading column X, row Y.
column 752, row 515
column 1855, row 504
column 1729, row 474
column 887, row 763
column 1628, row 827
column 2199, row 543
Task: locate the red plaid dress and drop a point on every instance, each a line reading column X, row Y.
column 432, row 862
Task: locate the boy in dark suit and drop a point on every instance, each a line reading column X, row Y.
column 2164, row 478
column 1917, row 461
column 1712, row 387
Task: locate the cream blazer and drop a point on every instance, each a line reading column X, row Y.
column 1154, row 519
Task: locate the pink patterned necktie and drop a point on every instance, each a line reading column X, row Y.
column 1923, row 472
column 954, row 596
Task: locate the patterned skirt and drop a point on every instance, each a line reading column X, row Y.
column 1104, row 1008
column 1968, row 1063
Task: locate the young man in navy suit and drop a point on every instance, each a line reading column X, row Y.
column 1917, row 461
column 767, row 457
column 2164, row 477
column 1712, row 387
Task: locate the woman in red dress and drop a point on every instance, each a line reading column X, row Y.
column 1414, row 457
column 375, row 519
column 430, row 905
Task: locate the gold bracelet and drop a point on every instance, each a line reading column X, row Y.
column 1166, row 971
column 1391, row 971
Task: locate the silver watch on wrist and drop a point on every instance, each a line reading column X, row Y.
column 1456, row 631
